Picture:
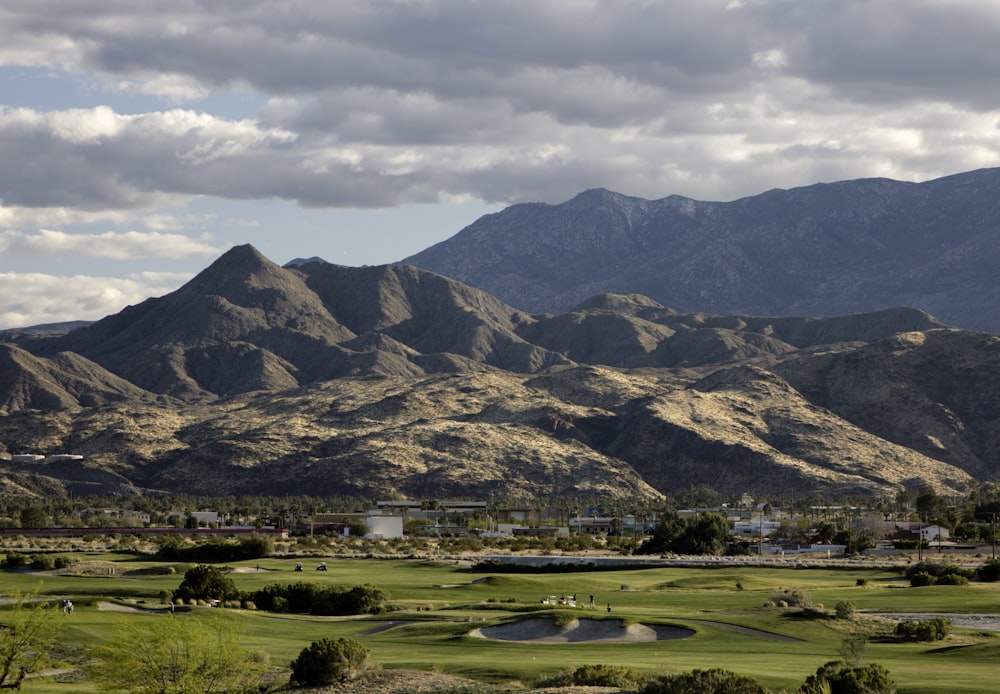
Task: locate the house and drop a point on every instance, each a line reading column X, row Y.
column 593, row 526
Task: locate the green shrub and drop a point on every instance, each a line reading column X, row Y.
column 43, row 562
column 713, row 681
column 608, row 676
column 326, row 662
column 845, row 609
column 62, row 561
column 178, row 549
column 989, row 571
column 837, row 677
column 952, row 580
column 922, row 578
column 937, row 570
column 854, row 648
column 795, row 597
column 923, row 630
column 15, row 560
column 310, row 598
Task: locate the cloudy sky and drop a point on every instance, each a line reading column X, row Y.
column 139, row 139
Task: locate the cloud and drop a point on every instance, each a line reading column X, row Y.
column 373, row 104
column 118, row 246
column 36, row 298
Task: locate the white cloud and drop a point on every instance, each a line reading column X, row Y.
column 36, row 298
column 368, row 104
column 118, row 246
column 385, row 104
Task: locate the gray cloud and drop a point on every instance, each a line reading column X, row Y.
column 386, row 103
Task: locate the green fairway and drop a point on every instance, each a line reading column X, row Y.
column 437, row 605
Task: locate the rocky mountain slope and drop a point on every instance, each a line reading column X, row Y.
column 321, row 379
column 822, row 250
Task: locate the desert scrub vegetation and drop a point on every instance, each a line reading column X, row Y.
column 26, row 638
column 704, row 682
column 790, row 597
column 845, row 609
column 179, row 549
column 328, row 661
column 839, row 677
column 310, row 598
column 923, row 629
column 927, row 573
column 598, row 675
column 177, row 656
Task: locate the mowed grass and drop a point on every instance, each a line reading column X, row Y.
column 436, row 605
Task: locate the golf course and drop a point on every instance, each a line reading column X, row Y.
column 446, row 615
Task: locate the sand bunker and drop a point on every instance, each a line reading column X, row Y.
column 577, row 630
column 103, row 606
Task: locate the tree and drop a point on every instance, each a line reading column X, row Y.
column 327, row 661
column 206, row 583
column 707, row 535
column 825, row 532
column 34, row 517
column 358, row 529
column 668, row 528
column 928, row 504
column 175, row 655
column 27, row 634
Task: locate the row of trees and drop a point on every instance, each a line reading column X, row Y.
column 207, row 583
column 952, row 512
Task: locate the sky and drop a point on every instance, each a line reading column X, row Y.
column 140, row 139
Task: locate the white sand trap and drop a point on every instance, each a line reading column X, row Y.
column 578, row 630
column 103, row 606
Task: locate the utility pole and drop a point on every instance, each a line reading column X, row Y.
column 993, row 532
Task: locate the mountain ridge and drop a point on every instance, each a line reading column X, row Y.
column 822, row 250
column 390, row 380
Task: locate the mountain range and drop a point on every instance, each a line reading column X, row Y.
column 321, row 379
column 828, row 249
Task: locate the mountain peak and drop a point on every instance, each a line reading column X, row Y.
column 824, row 250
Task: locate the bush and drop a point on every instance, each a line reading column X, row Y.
column 989, row 571
column 854, row 648
column 795, row 597
column 43, row 562
column 15, row 560
column 922, row 578
column 937, row 570
column 326, row 662
column 177, row 549
column 598, row 676
column 952, row 580
column 923, row 630
column 608, row 676
column 310, row 598
column 177, row 655
column 713, row 681
column 845, row 609
column 837, row 677
column 62, row 561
